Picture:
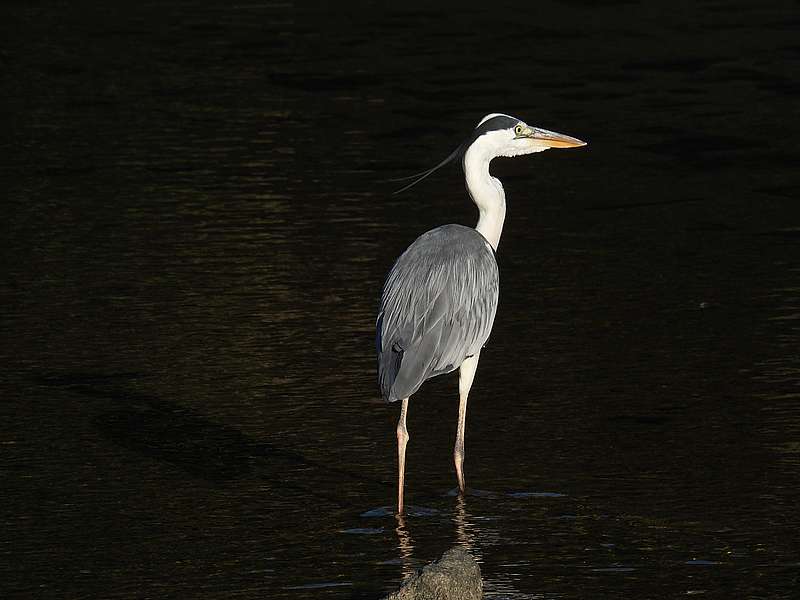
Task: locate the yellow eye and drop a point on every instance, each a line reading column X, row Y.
column 518, row 130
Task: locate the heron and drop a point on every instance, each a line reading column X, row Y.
column 440, row 297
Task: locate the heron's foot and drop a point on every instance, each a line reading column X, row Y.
column 457, row 491
column 472, row 492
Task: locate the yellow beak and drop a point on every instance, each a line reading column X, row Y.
column 551, row 139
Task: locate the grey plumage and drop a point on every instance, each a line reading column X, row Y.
column 440, row 298
column 437, row 308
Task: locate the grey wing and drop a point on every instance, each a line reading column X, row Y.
column 437, row 308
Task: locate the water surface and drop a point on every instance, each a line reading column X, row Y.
column 196, row 225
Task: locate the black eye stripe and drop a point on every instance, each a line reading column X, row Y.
column 493, row 124
column 498, row 122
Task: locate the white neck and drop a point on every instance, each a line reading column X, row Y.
column 486, row 192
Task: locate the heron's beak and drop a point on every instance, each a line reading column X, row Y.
column 551, row 139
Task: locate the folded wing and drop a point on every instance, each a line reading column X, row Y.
column 437, row 308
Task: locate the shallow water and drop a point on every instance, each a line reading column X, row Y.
column 195, row 231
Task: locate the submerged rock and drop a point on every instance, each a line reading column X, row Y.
column 455, row 576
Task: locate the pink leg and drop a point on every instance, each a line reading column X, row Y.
column 466, row 376
column 402, row 441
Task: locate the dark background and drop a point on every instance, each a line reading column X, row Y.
column 196, row 224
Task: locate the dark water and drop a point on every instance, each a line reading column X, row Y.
column 195, row 229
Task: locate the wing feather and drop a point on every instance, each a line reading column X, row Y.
column 437, row 308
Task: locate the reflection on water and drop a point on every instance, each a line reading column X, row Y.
column 196, row 227
column 463, row 527
column 406, row 546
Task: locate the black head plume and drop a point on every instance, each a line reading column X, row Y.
column 493, row 123
column 417, row 177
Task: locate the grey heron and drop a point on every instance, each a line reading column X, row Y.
column 439, row 299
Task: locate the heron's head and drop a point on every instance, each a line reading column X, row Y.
column 502, row 135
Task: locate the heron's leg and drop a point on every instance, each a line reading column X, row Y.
column 466, row 376
column 402, row 441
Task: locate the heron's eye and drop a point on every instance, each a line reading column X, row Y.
column 518, row 130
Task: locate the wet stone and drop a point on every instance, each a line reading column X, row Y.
column 455, row 576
